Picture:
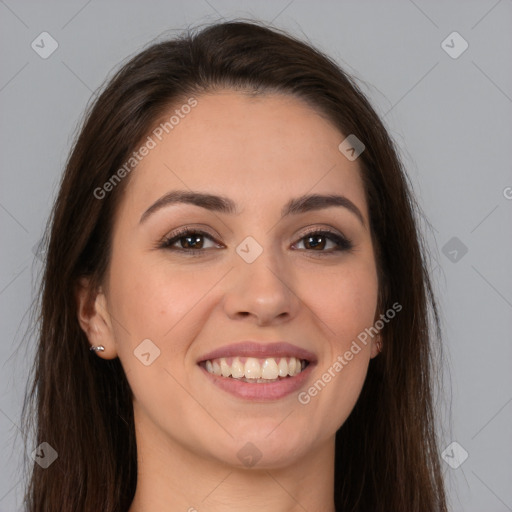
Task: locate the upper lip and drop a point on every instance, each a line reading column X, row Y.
column 259, row 350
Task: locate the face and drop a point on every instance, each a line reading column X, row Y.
column 246, row 288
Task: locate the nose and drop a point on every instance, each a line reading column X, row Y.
column 262, row 291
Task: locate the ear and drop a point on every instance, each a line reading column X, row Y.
column 376, row 346
column 94, row 318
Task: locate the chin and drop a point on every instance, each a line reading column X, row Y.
column 266, row 446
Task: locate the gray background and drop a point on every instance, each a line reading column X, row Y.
column 451, row 118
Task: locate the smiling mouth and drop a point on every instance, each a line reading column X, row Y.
column 255, row 370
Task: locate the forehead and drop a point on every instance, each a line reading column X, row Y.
column 248, row 148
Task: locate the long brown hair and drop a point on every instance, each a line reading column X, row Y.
column 386, row 452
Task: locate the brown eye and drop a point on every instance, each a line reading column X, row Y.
column 315, row 242
column 191, row 241
column 318, row 240
column 188, row 240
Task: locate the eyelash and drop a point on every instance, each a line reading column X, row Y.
column 343, row 244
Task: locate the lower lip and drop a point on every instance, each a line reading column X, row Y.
column 260, row 391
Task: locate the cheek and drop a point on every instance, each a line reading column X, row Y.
column 346, row 301
column 152, row 298
column 154, row 302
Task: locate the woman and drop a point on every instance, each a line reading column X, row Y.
column 234, row 311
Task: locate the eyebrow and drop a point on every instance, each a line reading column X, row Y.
column 222, row 204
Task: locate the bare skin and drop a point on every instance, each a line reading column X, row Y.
column 259, row 152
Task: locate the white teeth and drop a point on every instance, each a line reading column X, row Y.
column 225, row 369
column 252, row 368
column 216, row 368
column 283, row 367
column 269, row 369
column 256, row 370
column 292, row 363
column 237, row 368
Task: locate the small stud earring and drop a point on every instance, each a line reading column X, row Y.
column 99, row 348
